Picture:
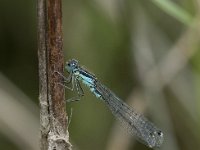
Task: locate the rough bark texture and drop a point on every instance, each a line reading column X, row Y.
column 53, row 119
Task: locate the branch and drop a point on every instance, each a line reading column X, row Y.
column 53, row 119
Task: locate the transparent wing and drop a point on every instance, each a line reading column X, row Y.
column 136, row 124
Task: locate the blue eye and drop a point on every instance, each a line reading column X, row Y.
column 71, row 65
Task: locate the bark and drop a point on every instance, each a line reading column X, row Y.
column 53, row 116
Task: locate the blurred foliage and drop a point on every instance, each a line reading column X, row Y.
column 108, row 38
column 18, row 34
column 174, row 10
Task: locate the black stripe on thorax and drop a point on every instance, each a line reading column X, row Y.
column 87, row 74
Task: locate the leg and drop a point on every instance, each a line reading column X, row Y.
column 70, row 118
column 67, row 87
column 79, row 88
column 79, row 91
column 66, row 81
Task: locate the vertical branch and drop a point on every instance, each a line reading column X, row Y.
column 53, row 117
column 44, row 111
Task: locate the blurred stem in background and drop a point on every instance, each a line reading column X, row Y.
column 174, row 10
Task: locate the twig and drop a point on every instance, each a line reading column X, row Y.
column 53, row 119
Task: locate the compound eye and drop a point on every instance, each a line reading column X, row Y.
column 151, row 134
column 159, row 133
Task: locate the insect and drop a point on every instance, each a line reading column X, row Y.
column 136, row 124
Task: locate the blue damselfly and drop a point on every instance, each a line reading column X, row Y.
column 136, row 124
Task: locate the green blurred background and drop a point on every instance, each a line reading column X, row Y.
column 146, row 51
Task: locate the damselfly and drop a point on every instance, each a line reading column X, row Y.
column 136, row 124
